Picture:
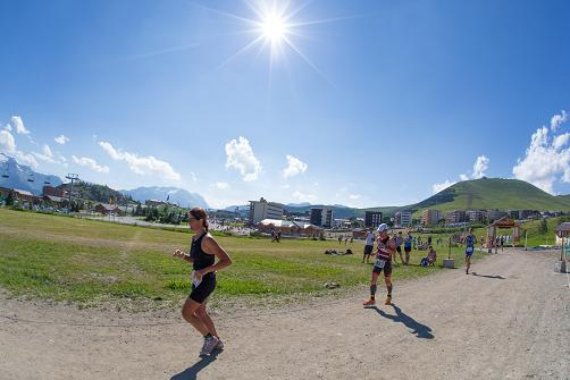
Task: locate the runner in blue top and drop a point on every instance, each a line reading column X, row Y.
column 470, row 241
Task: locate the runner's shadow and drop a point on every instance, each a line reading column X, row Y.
column 191, row 373
column 420, row 330
column 488, row 276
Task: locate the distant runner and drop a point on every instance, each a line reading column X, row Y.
column 408, row 247
column 386, row 249
column 368, row 246
column 398, row 240
column 470, row 241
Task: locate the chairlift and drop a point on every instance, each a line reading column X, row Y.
column 31, row 178
column 5, row 173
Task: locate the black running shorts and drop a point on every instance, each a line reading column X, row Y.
column 367, row 250
column 387, row 269
column 201, row 292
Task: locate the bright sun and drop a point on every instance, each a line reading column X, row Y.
column 274, row 28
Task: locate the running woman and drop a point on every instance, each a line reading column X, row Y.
column 203, row 253
column 470, row 241
column 386, row 250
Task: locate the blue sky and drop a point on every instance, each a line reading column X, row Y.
column 361, row 103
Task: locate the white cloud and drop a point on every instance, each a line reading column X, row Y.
column 304, row 197
column 547, row 159
column 481, row 165
column 558, row 120
column 141, row 165
column 47, row 151
column 294, row 167
column 18, row 124
column 46, row 154
column 7, row 142
column 61, row 139
column 354, row 197
column 90, row 163
column 240, row 156
column 222, row 185
column 8, row 127
column 479, row 168
column 560, row 141
column 193, row 177
column 436, row 188
column 8, row 146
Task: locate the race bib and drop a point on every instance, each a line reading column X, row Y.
column 195, row 280
column 380, row 263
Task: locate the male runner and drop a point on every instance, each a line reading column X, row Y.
column 470, row 241
column 386, row 249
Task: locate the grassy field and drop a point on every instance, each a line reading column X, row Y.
column 92, row 262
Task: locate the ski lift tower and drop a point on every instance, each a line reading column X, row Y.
column 72, row 177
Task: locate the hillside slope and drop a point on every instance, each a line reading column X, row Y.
column 493, row 193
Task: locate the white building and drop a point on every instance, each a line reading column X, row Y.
column 259, row 210
column 403, row 218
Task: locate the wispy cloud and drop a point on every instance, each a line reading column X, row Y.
column 45, row 155
column 557, row 120
column 8, row 146
column 90, row 163
column 294, row 167
column 479, row 168
column 240, row 157
column 61, row 139
column 547, row 158
column 436, row 188
column 222, row 185
column 7, row 141
column 18, row 124
column 141, row 165
column 302, row 197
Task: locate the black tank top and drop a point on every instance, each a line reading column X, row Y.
column 200, row 259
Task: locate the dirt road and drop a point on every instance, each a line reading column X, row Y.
column 510, row 319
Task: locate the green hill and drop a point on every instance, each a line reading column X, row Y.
column 494, row 193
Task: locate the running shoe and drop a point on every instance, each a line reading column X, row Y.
column 209, row 344
column 370, row 302
column 388, row 300
column 220, row 345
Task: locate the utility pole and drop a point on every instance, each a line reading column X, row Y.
column 72, row 177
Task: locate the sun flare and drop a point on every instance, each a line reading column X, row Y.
column 274, row 28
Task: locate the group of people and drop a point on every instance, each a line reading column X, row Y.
column 387, row 248
column 407, row 242
column 204, row 250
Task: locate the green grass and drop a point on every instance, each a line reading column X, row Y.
column 93, row 262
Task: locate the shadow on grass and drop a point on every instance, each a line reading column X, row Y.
column 191, row 373
column 418, row 329
column 488, row 276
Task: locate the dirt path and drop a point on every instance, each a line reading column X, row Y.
column 510, row 321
